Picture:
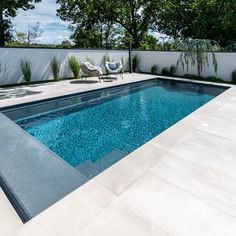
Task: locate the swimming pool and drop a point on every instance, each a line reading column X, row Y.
column 94, row 130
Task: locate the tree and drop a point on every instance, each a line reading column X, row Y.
column 196, row 52
column 65, row 44
column 99, row 36
column 21, row 37
column 8, row 9
column 149, row 42
column 134, row 16
column 34, row 32
column 25, row 39
column 215, row 19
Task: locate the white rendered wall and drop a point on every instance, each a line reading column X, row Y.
column 226, row 63
column 10, row 59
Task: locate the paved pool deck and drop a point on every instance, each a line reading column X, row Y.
column 181, row 183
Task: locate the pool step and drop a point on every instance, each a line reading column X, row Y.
column 90, row 169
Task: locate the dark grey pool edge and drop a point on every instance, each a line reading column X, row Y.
column 19, row 208
column 32, row 177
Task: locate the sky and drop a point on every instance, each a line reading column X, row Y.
column 53, row 29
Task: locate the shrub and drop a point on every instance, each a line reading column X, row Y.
column 165, row 71
column 197, row 52
column 2, row 67
column 55, row 67
column 214, row 79
column 234, row 77
column 74, row 66
column 173, row 70
column 26, row 70
column 123, row 63
column 193, row 77
column 135, row 63
column 104, row 59
column 155, row 69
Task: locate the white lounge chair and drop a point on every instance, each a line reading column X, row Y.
column 114, row 68
column 90, row 70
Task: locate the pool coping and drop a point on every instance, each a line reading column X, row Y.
column 156, row 138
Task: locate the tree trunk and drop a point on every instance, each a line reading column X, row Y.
column 135, row 44
column 2, row 30
column 136, row 40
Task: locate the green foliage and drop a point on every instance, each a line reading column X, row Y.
column 234, row 77
column 135, row 17
column 214, row 20
column 74, row 66
column 166, row 72
column 210, row 78
column 149, row 42
column 214, row 79
column 196, row 52
column 155, row 69
column 3, row 67
column 104, row 59
column 123, row 63
column 8, row 10
column 173, row 70
column 193, row 77
column 26, row 70
column 87, row 38
column 55, row 68
column 65, row 44
column 99, row 35
column 135, row 63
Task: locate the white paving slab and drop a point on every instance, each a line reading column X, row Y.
column 10, row 223
column 175, row 210
column 119, row 220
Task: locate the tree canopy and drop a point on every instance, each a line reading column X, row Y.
column 198, row 19
column 107, row 24
column 134, row 16
column 8, row 9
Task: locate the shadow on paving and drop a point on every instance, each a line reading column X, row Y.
column 85, row 81
column 16, row 93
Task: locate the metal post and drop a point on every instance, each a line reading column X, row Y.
column 130, row 58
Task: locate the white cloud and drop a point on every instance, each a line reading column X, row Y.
column 54, row 30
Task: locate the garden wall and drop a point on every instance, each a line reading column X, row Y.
column 226, row 63
column 10, row 60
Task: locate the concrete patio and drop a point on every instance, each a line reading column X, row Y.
column 181, row 183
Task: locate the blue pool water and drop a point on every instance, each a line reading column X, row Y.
column 111, row 128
